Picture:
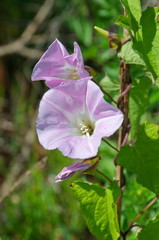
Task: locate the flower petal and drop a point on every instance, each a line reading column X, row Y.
column 68, row 171
column 106, row 127
column 62, row 82
column 107, row 117
column 80, row 147
column 97, row 106
column 52, row 123
column 62, row 113
column 94, row 97
column 57, row 67
column 80, row 64
column 57, row 114
column 52, row 63
column 69, row 98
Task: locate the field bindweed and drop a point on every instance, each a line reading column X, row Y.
column 74, row 118
column 57, row 67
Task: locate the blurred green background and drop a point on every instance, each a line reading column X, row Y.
column 38, row 208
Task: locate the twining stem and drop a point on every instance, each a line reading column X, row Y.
column 123, row 104
column 106, row 93
column 104, row 140
column 141, row 213
column 124, row 93
column 105, row 176
column 125, row 40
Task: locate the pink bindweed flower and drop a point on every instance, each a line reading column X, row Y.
column 57, row 67
column 69, row 171
column 74, row 118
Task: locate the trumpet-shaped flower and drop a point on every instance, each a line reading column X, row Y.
column 57, row 67
column 74, row 118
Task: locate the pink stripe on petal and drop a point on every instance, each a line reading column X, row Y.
column 51, row 62
column 57, row 64
column 68, row 171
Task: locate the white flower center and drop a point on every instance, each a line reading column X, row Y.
column 86, row 128
column 82, row 123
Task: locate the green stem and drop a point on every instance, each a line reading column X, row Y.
column 143, row 211
column 105, row 176
column 104, row 140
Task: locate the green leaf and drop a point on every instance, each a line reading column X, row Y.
column 133, row 10
column 150, row 231
column 129, row 55
column 112, row 86
column 131, row 204
column 142, row 158
column 146, row 40
column 82, row 28
column 157, row 82
column 138, row 102
column 99, row 209
column 123, row 21
column 145, row 34
column 115, row 190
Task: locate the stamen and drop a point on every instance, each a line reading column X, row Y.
column 74, row 75
column 86, row 129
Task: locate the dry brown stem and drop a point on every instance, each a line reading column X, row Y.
column 19, row 45
column 123, row 104
column 21, row 179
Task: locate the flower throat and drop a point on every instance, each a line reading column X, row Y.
column 86, row 128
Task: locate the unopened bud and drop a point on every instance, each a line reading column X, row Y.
column 102, row 32
column 114, row 39
column 115, row 43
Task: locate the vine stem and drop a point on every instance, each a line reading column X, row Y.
column 127, row 39
column 105, row 176
column 140, row 214
column 123, row 104
column 104, row 140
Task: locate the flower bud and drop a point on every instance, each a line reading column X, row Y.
column 114, row 39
